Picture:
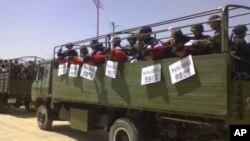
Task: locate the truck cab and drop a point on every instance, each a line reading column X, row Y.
column 41, row 87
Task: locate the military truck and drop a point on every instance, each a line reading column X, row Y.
column 200, row 107
column 15, row 90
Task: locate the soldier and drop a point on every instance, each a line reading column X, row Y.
column 242, row 53
column 197, row 31
column 116, row 42
column 146, row 42
column 213, row 42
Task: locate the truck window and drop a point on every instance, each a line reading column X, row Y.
column 40, row 73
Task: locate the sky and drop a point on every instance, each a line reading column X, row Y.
column 35, row 27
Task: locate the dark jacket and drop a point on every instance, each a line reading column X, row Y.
column 242, row 51
column 67, row 53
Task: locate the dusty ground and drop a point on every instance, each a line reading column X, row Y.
column 18, row 125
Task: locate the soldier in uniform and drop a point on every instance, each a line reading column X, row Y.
column 242, row 53
column 214, row 42
column 197, row 31
column 116, row 42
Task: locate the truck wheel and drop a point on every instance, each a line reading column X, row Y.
column 43, row 119
column 124, row 130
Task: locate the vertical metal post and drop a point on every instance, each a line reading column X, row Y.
column 224, row 30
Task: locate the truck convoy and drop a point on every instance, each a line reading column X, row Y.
column 200, row 107
column 15, row 88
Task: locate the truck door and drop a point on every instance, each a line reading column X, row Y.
column 41, row 86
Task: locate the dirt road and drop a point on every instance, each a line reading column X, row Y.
column 18, row 125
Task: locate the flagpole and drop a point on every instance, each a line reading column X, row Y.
column 97, row 34
column 98, row 5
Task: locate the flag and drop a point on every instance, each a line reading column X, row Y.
column 98, row 4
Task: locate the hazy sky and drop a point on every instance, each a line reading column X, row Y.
column 34, row 27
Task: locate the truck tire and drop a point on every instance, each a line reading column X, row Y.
column 124, row 129
column 43, row 118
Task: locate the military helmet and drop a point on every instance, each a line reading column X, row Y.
column 94, row 42
column 214, row 17
column 131, row 37
column 116, row 39
column 145, row 30
column 239, row 29
column 69, row 45
column 197, row 27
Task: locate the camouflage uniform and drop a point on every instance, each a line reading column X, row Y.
column 213, row 42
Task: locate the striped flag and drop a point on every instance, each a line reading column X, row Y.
column 98, row 4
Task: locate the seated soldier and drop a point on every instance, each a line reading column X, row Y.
column 213, row 42
column 242, row 53
column 181, row 50
column 146, row 42
column 197, row 31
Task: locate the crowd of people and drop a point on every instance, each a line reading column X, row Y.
column 142, row 46
column 17, row 70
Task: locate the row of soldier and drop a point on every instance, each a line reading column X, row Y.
column 19, row 71
column 145, row 47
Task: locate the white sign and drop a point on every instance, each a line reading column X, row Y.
column 88, row 71
column 73, row 70
column 12, row 100
column 151, row 74
column 62, row 69
column 182, row 69
column 111, row 69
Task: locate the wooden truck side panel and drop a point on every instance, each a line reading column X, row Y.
column 20, row 88
column 204, row 93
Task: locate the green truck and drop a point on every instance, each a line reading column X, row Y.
column 201, row 107
column 15, row 91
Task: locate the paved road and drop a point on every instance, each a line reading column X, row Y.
column 19, row 125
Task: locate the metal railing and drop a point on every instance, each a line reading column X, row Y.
column 224, row 11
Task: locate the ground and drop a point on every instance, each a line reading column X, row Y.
column 18, row 125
